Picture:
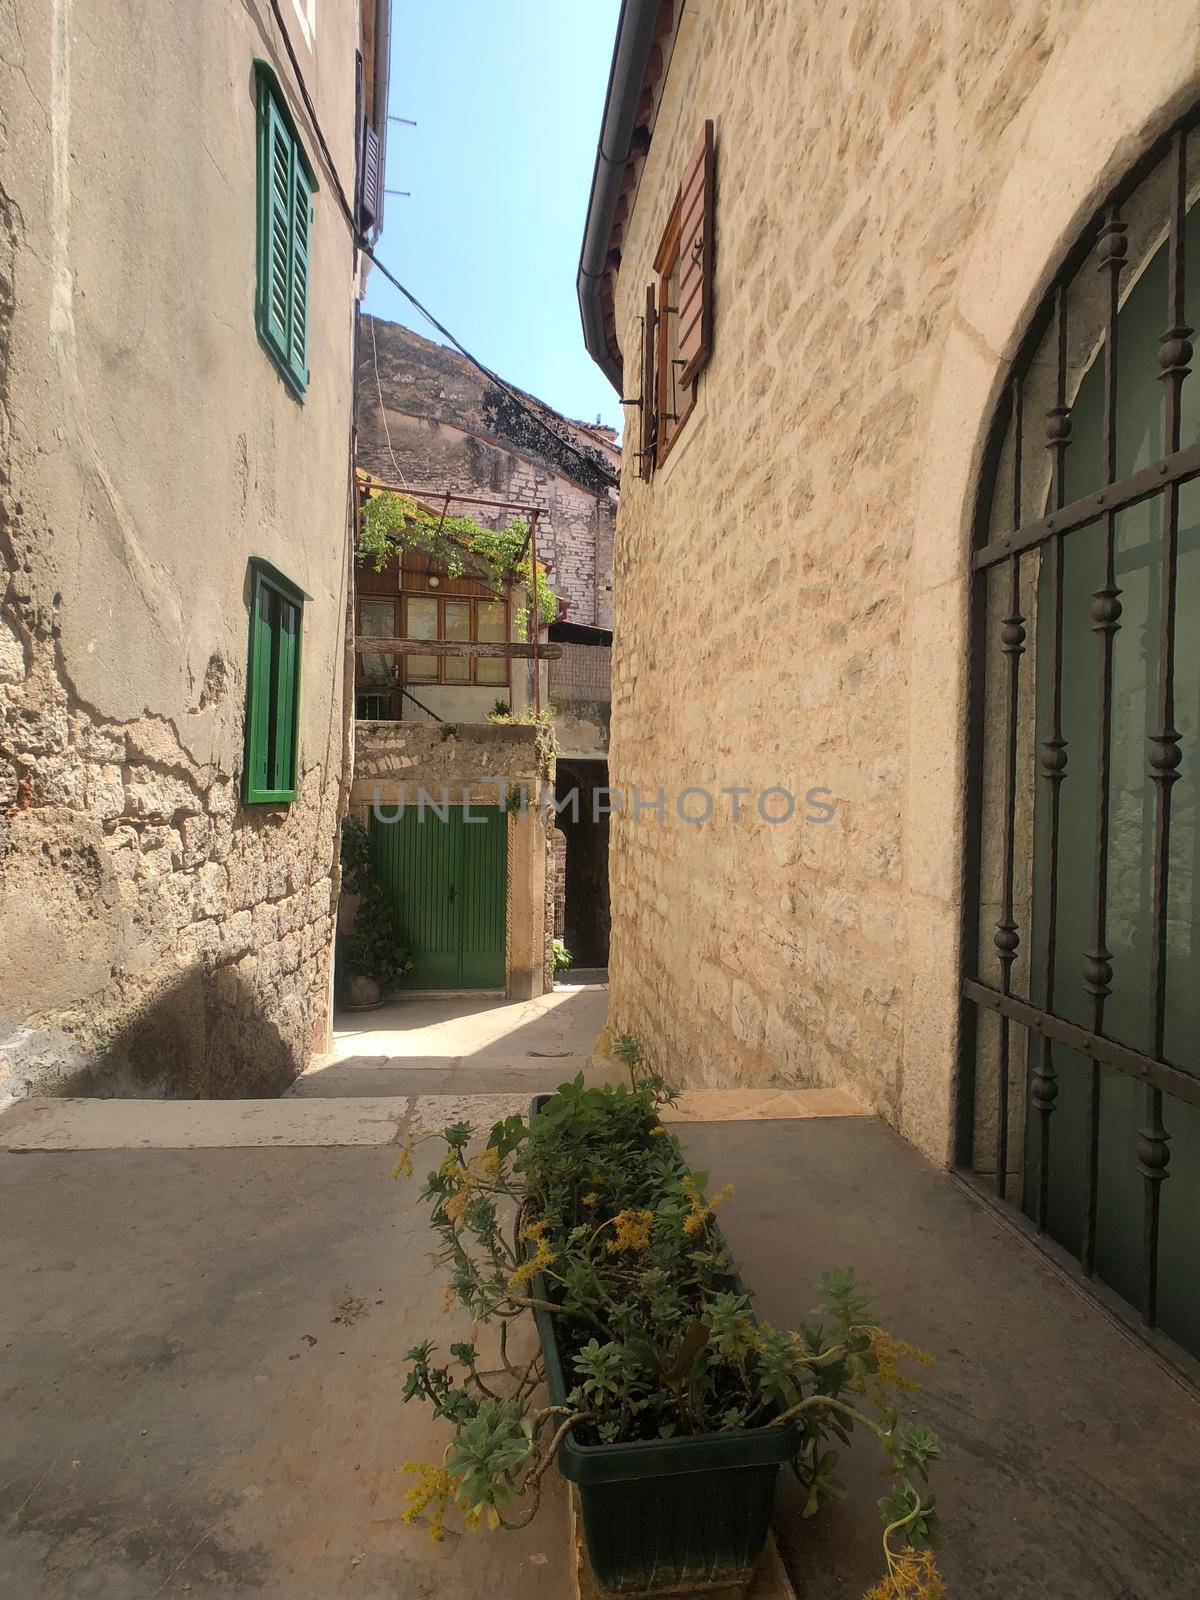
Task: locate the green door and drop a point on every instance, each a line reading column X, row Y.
column 445, row 877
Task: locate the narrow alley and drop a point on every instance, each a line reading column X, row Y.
column 599, row 800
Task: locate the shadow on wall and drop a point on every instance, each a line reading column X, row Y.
column 197, row 1034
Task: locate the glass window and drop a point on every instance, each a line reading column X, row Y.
column 491, row 628
column 456, row 625
column 422, row 624
column 377, row 620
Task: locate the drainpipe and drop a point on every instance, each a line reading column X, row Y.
column 635, row 35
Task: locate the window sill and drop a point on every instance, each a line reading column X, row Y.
column 268, row 797
column 294, row 386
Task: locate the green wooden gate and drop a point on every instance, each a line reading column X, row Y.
column 446, row 879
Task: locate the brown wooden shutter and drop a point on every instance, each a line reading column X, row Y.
column 370, row 162
column 649, row 392
column 696, row 226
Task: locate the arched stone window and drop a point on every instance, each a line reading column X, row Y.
column 1082, row 1032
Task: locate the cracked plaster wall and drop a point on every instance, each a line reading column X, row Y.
column 155, row 935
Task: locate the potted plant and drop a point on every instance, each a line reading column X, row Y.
column 373, row 953
column 670, row 1405
column 561, row 956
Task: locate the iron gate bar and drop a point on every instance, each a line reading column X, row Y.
column 1130, row 491
column 1165, row 755
column 1043, row 1086
column 1111, row 248
column 1007, row 937
column 1134, row 1063
column 1104, row 243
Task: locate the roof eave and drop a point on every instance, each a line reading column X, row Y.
column 635, row 37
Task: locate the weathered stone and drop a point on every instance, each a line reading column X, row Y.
column 894, row 191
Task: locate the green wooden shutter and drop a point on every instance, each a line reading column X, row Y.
column 276, row 270
column 285, row 222
column 273, row 688
column 258, row 703
column 301, row 223
column 287, row 666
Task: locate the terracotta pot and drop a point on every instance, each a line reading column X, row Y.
column 363, row 993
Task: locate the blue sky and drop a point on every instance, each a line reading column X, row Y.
column 507, row 96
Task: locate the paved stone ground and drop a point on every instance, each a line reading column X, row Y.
column 201, row 1375
column 1072, row 1454
column 201, row 1362
column 462, row 1045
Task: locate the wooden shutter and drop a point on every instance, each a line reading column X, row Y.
column 297, row 347
column 649, row 391
column 272, row 692
column 696, row 257
column 369, row 190
column 258, row 698
column 287, row 668
column 278, row 204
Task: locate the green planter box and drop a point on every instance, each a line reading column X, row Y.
column 669, row 1516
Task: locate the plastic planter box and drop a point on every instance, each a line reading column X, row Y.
column 669, row 1516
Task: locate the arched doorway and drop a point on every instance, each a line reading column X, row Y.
column 1082, row 1024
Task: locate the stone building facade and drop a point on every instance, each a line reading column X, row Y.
column 895, row 188
column 159, row 934
column 445, row 426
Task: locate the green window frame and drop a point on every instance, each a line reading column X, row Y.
column 272, row 687
column 286, row 185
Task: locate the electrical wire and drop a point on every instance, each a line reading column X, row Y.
column 361, row 241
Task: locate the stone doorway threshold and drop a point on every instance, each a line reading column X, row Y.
column 338, row 1123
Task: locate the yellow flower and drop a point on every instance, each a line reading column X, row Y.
column 701, row 1209
column 543, row 1256
column 911, row 1575
column 632, row 1231
column 434, row 1487
column 590, row 1200
column 487, row 1163
column 657, row 1133
column 404, row 1161
column 879, row 1386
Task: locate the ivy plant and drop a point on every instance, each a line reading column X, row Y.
column 390, row 523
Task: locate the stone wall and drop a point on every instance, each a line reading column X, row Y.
column 895, row 187
column 155, row 934
column 450, row 427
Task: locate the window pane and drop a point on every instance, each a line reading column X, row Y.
column 421, row 622
column 457, row 668
column 489, row 669
column 377, row 621
column 458, row 619
column 422, row 619
column 491, row 621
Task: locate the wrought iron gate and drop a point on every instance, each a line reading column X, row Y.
column 1081, row 1028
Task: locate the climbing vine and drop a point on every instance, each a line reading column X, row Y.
column 392, row 522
